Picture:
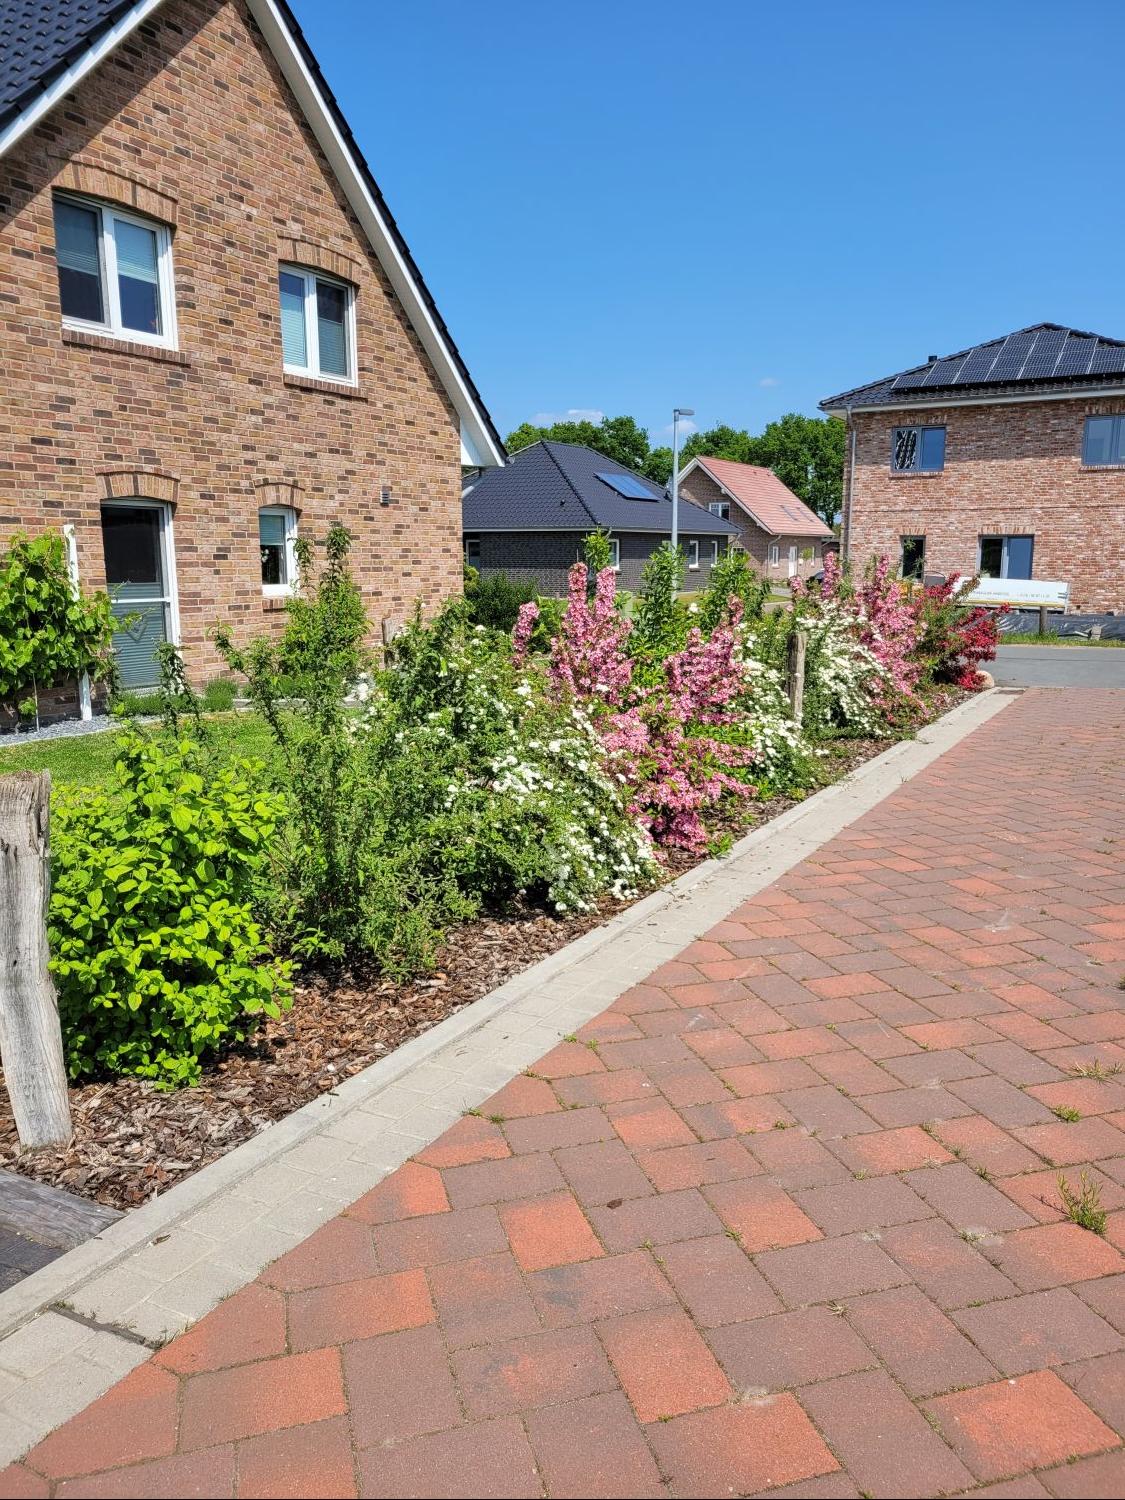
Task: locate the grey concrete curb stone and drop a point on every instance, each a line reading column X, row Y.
column 71, row 1330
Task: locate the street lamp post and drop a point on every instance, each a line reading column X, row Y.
column 677, row 413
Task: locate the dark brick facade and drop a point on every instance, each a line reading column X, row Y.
column 1010, row 469
column 189, row 121
column 543, row 558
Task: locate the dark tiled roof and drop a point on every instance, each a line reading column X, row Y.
column 555, row 487
column 1045, row 356
column 39, row 39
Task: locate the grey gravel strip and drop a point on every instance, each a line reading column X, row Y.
column 168, row 1263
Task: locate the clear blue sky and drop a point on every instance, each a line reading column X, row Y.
column 737, row 206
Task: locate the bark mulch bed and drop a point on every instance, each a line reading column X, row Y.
column 132, row 1141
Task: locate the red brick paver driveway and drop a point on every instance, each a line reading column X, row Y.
column 785, row 1219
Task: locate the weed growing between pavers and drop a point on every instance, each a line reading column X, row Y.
column 1083, row 1207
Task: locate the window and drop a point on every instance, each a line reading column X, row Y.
column 714, row 552
column 317, row 325
column 472, row 551
column 1006, row 556
column 277, row 533
column 1103, row 442
column 775, row 554
column 720, row 508
column 115, row 272
column 615, row 554
column 918, row 450
column 913, row 556
column 693, row 555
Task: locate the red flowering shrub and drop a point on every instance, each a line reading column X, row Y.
column 954, row 636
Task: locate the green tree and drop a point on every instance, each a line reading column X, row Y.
column 619, row 438
column 807, row 454
column 723, row 441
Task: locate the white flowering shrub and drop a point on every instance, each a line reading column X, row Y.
column 844, row 681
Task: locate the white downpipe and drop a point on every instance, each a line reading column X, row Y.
column 85, row 704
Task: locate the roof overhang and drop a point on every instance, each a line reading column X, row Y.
column 480, row 442
column 1007, row 398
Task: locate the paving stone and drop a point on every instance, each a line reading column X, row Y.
column 959, row 1195
column 917, row 1106
column 884, row 1442
column 749, row 1116
column 923, row 1350
column 829, row 1270
column 1002, row 1102
column 854, row 1073
column 1012, row 1426
column 136, row 1420
column 659, row 1220
column 314, row 1461
column 482, row 1299
column 873, row 1203
column 399, row 1386
column 605, row 1088
column 341, row 1250
column 550, row 1231
column 574, row 1127
column 1064, row 1144
column 1091, row 1478
column 984, row 1145
column 488, row 1458
column 225, row 1404
column 891, row 1151
column 430, row 1241
column 649, row 1124
column 1054, row 1255
column 826, row 1111
column 716, row 1281
column 692, row 1166
column 1021, row 1334
column 1106, row 1297
column 948, row 1269
column 611, row 1461
column 769, row 1077
column 501, row 1181
column 208, row 1473
column 741, row 1449
column 663, row 1364
column 761, row 1215
column 1037, row 1193
column 414, row 1189
column 248, row 1326
column 603, row 1171
column 794, row 1159
column 789, row 1350
column 594, row 1289
column 541, row 1369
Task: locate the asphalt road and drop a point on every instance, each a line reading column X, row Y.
column 1059, row 666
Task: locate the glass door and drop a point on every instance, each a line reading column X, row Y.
column 138, row 577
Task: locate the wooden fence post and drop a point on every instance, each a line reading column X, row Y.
column 795, row 674
column 31, row 1047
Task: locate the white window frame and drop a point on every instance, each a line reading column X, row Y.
column 714, row 551
column 775, row 554
column 693, row 556
column 289, row 516
column 720, row 508
column 467, row 544
column 111, row 292
column 615, row 554
column 312, row 371
column 171, row 595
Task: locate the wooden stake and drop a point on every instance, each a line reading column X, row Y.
column 795, row 673
column 31, row 1047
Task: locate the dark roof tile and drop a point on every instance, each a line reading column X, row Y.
column 39, row 39
column 553, row 486
column 1044, row 355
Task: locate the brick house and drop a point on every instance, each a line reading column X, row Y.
column 529, row 519
column 1007, row 458
column 213, row 334
column 783, row 536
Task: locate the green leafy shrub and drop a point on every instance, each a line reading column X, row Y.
column 660, row 621
column 156, row 954
column 733, row 577
column 494, row 600
column 219, row 695
column 48, row 633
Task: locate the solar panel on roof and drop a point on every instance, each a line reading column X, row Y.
column 946, row 371
column 628, row 485
column 1075, row 357
column 979, row 364
column 1108, row 359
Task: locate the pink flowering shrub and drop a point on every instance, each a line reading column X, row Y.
column 954, row 636
column 662, row 740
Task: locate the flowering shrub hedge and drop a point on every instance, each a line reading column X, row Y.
column 955, row 637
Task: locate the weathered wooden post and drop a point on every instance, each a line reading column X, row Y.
column 31, row 1048
column 1042, row 619
column 795, row 674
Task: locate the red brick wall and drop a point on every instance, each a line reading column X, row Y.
column 1009, row 470
column 190, row 120
column 703, row 489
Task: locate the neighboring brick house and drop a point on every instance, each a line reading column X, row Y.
column 1007, row 458
column 212, row 333
column 783, row 536
column 529, row 519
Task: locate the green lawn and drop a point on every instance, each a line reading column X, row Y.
column 87, row 760
column 1052, row 638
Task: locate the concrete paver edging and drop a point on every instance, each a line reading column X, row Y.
column 71, row 1330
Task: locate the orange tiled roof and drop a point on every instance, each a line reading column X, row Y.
column 772, row 504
